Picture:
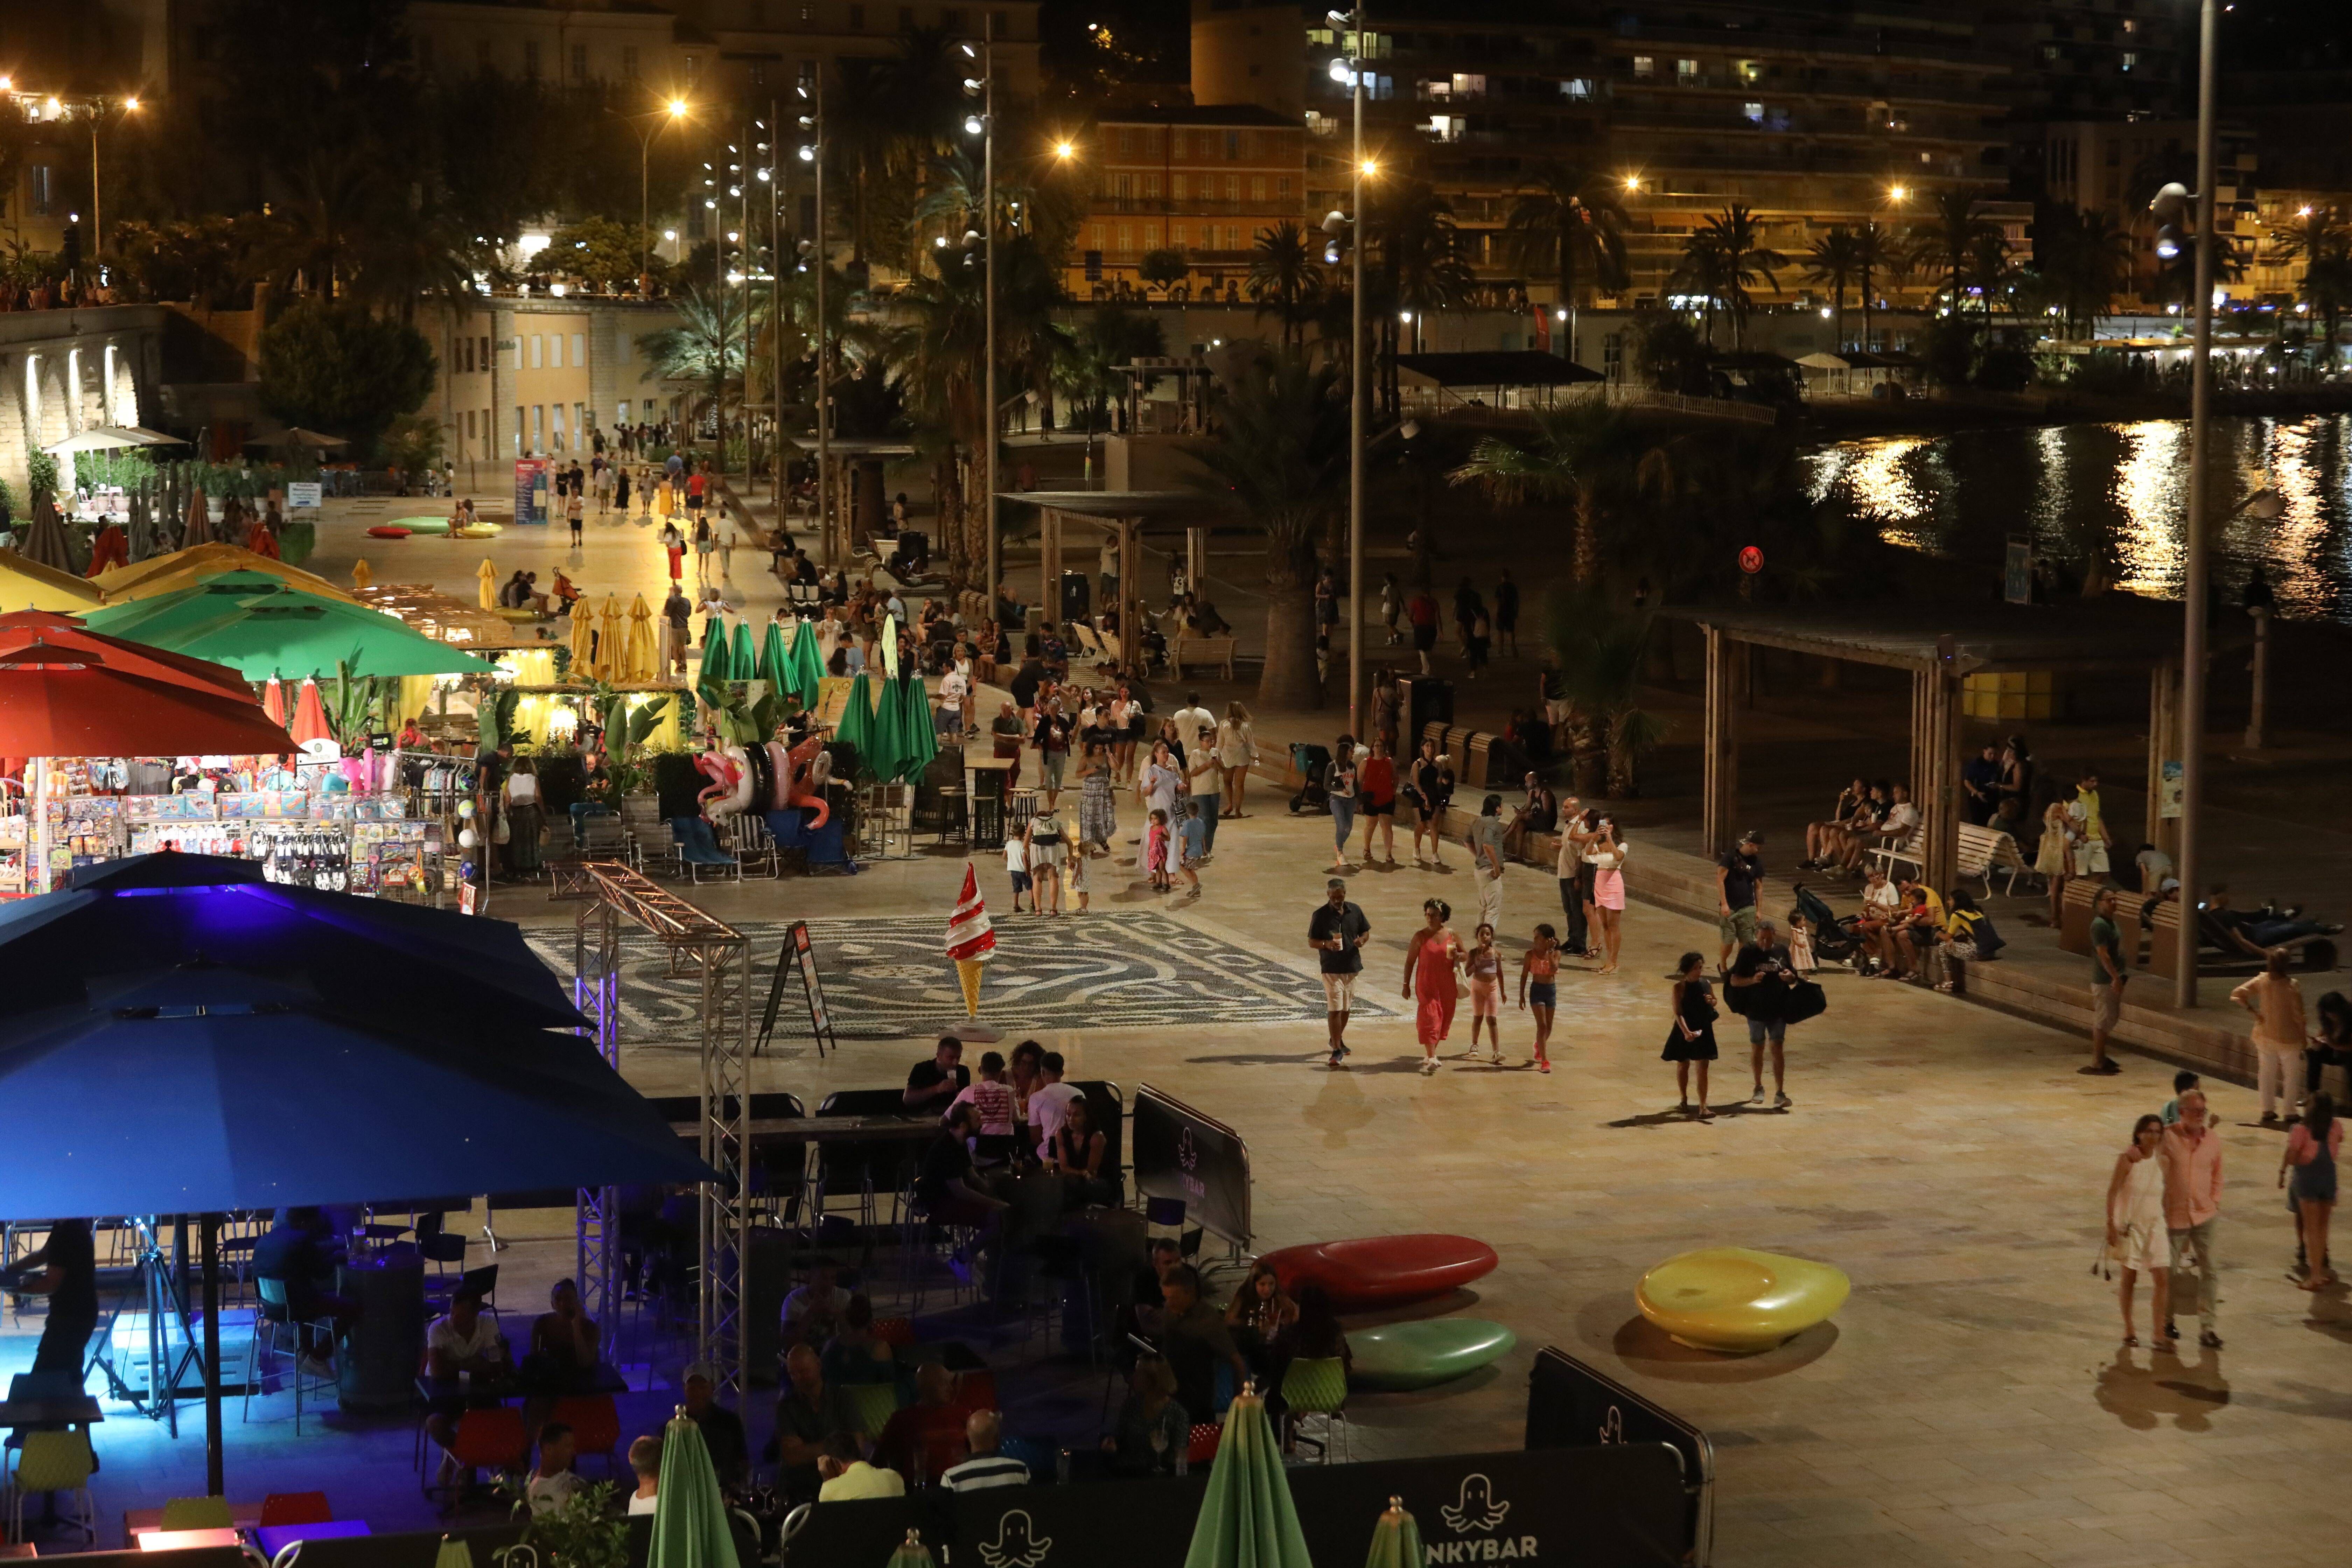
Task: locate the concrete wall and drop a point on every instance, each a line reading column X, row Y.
column 62, row 371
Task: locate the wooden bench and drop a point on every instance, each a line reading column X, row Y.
column 1984, row 850
column 1911, row 851
column 1217, row 651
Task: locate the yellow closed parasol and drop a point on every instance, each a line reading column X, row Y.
column 361, row 577
column 488, row 576
column 609, row 661
column 584, row 641
column 637, row 653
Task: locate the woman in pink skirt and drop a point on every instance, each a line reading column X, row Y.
column 1607, row 854
column 1431, row 959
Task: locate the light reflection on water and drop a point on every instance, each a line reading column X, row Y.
column 2119, row 491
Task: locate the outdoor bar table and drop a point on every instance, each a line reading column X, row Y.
column 77, row 1410
column 919, row 1127
column 379, row 1354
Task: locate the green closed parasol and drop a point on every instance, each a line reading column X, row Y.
column 741, row 662
column 808, row 662
column 888, row 748
column 775, row 666
column 919, row 738
column 1396, row 1540
column 912, row 1554
column 718, row 665
column 1247, row 1519
column 690, row 1528
column 856, row 726
column 453, row 1554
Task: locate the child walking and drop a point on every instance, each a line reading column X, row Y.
column 1016, row 866
column 1539, row 989
column 1155, row 852
column 1692, row 1038
column 1484, row 967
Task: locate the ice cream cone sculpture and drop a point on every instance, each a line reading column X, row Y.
column 972, row 940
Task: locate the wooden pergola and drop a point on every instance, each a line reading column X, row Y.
column 1121, row 515
column 1938, row 646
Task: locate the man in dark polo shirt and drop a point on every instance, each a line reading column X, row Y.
column 1337, row 933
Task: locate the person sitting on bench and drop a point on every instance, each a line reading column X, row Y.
column 1892, row 831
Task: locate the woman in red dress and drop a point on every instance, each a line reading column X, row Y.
column 1429, row 962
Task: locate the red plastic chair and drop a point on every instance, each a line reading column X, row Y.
column 296, row 1508
column 895, row 1332
column 1203, row 1447
column 595, row 1425
column 490, row 1440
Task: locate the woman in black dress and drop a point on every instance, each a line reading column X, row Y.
column 1692, row 1038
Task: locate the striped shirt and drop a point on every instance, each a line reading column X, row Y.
column 982, row 1472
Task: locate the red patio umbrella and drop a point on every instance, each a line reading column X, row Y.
column 67, row 702
column 132, row 659
column 273, row 701
column 311, row 715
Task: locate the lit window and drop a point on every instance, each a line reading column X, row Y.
column 1752, row 112
column 2130, row 60
column 1579, row 87
column 1686, row 71
column 1646, row 65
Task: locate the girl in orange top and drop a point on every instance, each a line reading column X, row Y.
column 1538, row 976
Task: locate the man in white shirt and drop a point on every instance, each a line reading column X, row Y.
column 1194, row 723
column 467, row 1340
column 645, row 1463
column 1049, row 1102
column 1575, row 881
column 952, row 691
column 986, row 1468
column 553, row 1482
column 1901, row 821
column 1205, row 777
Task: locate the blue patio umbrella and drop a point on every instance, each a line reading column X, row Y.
column 204, row 1087
column 397, row 962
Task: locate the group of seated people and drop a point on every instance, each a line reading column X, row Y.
column 1866, row 816
column 1909, row 931
column 1018, row 1118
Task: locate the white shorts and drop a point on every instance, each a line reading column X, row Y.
column 2146, row 1244
column 1339, row 992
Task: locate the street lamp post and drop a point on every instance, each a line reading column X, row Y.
column 1353, row 23
column 2193, row 575
column 674, row 111
column 985, row 54
column 813, row 152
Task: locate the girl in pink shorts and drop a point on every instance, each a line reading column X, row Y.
column 1484, row 967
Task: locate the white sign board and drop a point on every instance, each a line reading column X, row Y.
column 298, row 496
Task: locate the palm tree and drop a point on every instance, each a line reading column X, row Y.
column 705, row 348
column 2322, row 241
column 1602, row 647
column 1949, row 238
column 1567, row 221
column 1989, row 264
column 2089, row 261
column 1590, row 459
column 1421, row 258
column 1089, row 374
column 1282, row 462
column 1727, row 253
column 1285, row 277
column 1876, row 255
column 1834, row 261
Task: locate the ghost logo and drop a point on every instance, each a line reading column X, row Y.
column 1015, row 1546
column 1613, row 1428
column 1478, row 1508
column 1187, row 1153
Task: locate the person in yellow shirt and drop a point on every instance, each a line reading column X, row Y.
column 1920, row 927
column 847, row 1476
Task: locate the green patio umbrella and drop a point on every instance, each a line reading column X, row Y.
column 1396, row 1540
column 919, row 737
column 690, row 1528
column 808, row 663
column 856, row 727
column 453, row 1554
column 912, row 1554
column 1247, row 1520
column 261, row 626
column 888, row 746
column 717, row 659
column 775, row 666
column 742, row 662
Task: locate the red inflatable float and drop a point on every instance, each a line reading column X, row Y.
column 387, row 531
column 1376, row 1271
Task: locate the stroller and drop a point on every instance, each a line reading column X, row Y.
column 1312, row 763
column 1833, row 940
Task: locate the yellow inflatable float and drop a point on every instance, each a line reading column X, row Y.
column 1739, row 1301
